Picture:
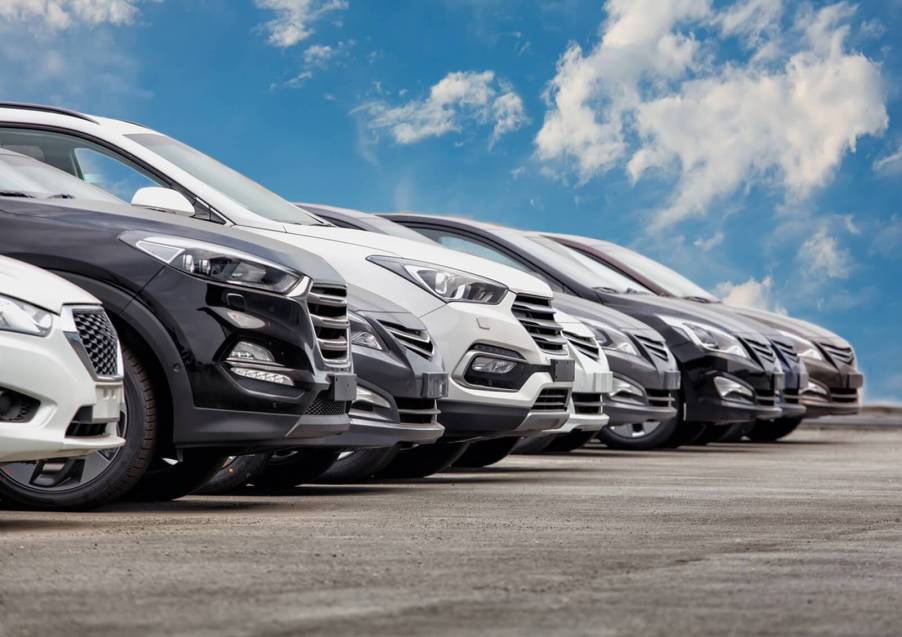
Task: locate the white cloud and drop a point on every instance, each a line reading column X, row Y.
column 890, row 164
column 458, row 99
column 295, row 18
column 706, row 245
column 651, row 96
column 751, row 293
column 59, row 15
column 821, row 256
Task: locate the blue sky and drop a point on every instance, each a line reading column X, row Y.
column 753, row 145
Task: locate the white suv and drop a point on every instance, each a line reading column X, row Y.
column 60, row 370
column 481, row 314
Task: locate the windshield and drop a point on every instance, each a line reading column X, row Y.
column 22, row 176
column 590, row 272
column 243, row 191
column 673, row 282
column 389, row 227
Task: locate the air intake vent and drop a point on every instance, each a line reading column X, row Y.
column 586, row 344
column 844, row 395
column 537, row 316
column 660, row 397
column 16, row 407
column 587, row 403
column 762, row 350
column 417, row 341
column 552, row 400
column 328, row 308
column 654, row 348
column 322, row 406
column 98, row 336
column 843, row 355
column 416, row 411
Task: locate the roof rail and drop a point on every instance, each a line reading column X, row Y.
column 47, row 109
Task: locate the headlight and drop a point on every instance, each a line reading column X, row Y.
column 362, row 334
column 708, row 337
column 803, row 347
column 446, row 283
column 215, row 262
column 18, row 316
column 612, row 339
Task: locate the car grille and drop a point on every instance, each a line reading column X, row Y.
column 98, row 336
column 537, row 316
column 660, row 397
column 766, row 397
column 654, row 349
column 552, row 400
column 785, row 349
column 322, row 406
column 417, row 341
column 417, row 411
column 86, row 429
column 844, row 395
column 844, row 355
column 791, row 396
column 761, row 349
column 328, row 306
column 586, row 344
column 587, row 403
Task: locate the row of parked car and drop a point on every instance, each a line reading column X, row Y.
column 210, row 334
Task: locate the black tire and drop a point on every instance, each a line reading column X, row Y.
column 774, row 430
column 123, row 469
column 163, row 481
column 685, row 434
column 422, row 461
column 236, row 472
column 287, row 469
column 359, row 465
column 486, row 452
column 658, row 437
column 570, row 442
column 536, row 444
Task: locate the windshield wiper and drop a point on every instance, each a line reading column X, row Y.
column 633, row 291
column 609, row 290
column 15, row 193
column 61, row 195
column 698, row 299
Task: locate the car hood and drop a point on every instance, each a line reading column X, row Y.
column 680, row 308
column 38, row 287
column 793, row 325
column 584, row 309
column 323, row 239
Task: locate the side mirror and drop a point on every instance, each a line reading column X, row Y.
column 163, row 199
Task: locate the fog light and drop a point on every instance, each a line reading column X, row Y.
column 266, row 377
column 489, row 365
column 623, row 389
column 728, row 388
column 245, row 351
column 365, row 339
column 366, row 396
column 819, row 391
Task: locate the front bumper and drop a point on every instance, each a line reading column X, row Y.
column 48, row 371
column 840, row 390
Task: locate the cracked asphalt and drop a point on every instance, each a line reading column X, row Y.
column 801, row 537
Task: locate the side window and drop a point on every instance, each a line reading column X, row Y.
column 81, row 158
column 457, row 242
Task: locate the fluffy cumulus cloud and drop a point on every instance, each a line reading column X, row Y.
column 57, row 15
column 822, row 257
column 751, row 293
column 651, row 97
column 456, row 101
column 295, row 18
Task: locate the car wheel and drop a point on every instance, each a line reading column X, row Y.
column 358, row 465
column 422, row 461
column 103, row 476
column 235, row 472
column 638, row 436
column 570, row 442
column 486, row 452
column 290, row 468
column 168, row 479
column 773, row 431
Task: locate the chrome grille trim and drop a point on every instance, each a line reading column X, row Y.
column 844, row 355
column 537, row 317
column 417, row 341
column 552, row 399
column 653, row 347
column 586, row 344
column 328, row 308
column 587, row 403
column 760, row 349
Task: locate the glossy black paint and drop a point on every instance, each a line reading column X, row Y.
column 184, row 320
column 698, row 366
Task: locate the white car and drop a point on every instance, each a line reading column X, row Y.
column 60, row 370
column 481, row 314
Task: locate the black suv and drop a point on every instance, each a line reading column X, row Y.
column 231, row 343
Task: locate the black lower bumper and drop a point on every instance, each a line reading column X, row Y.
column 473, row 421
column 364, row 434
column 623, row 413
